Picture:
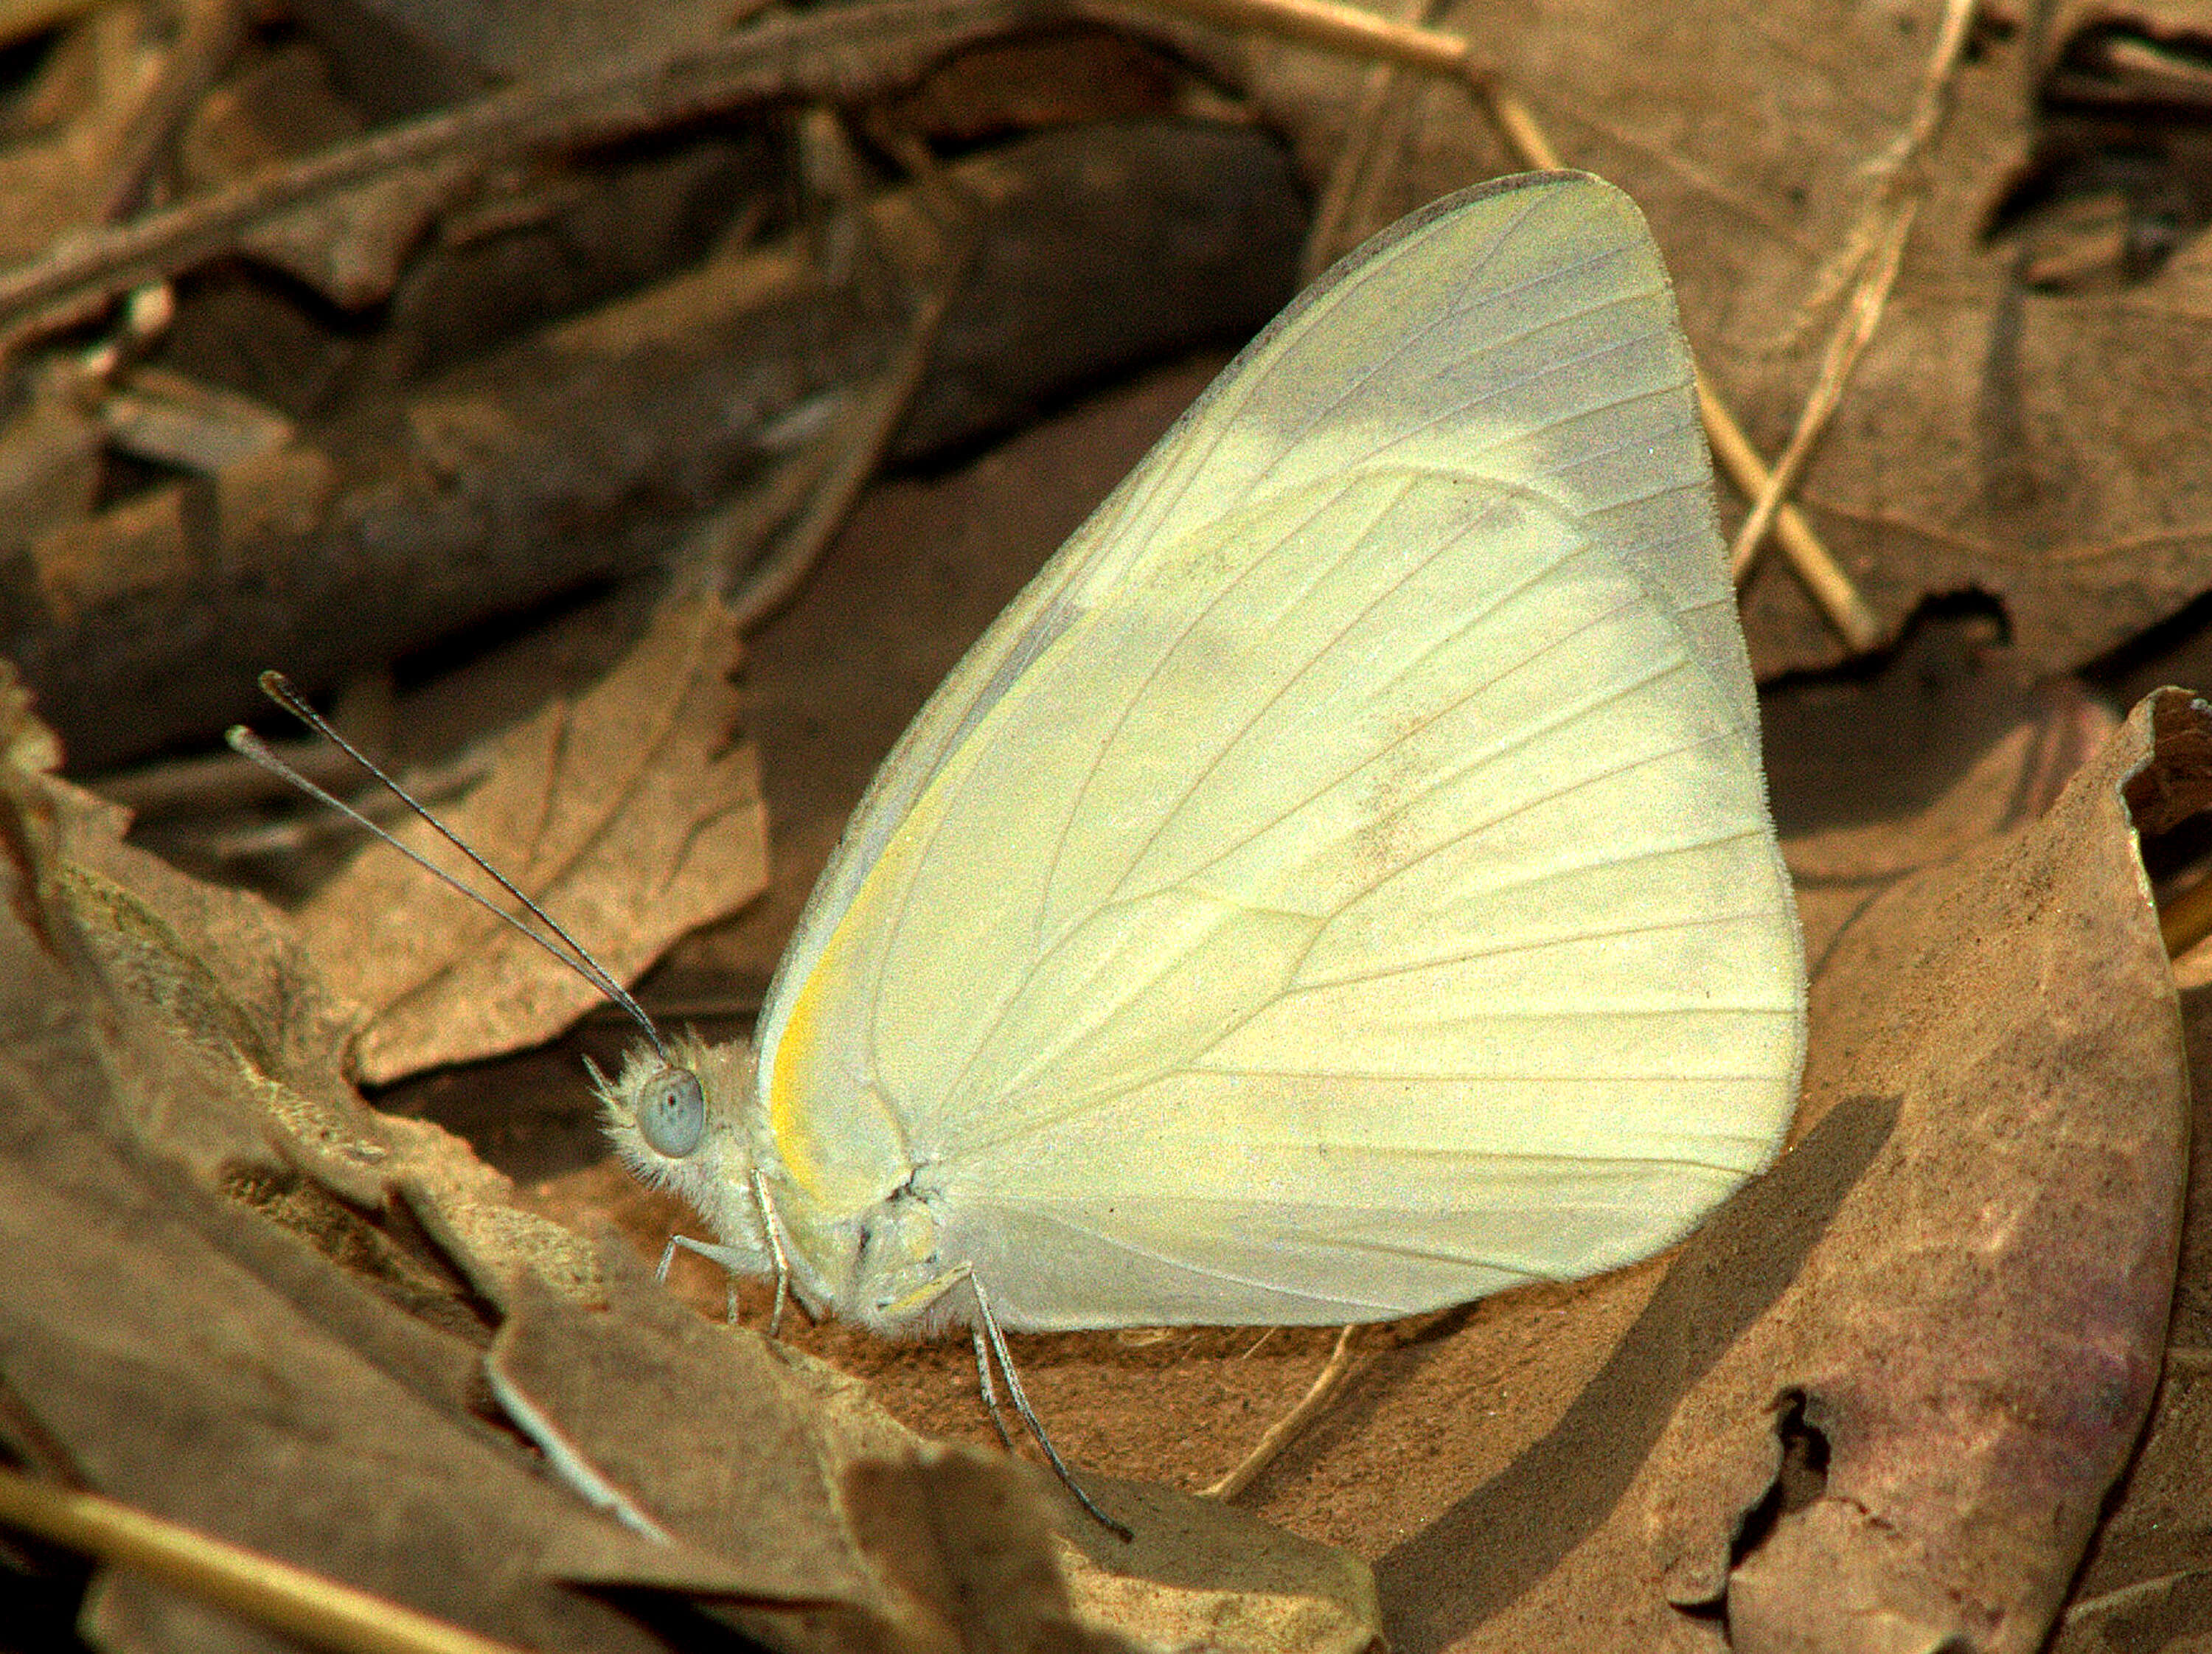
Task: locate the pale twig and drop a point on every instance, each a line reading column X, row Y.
column 1343, row 206
column 845, row 457
column 837, row 54
column 1845, row 345
column 1258, row 1343
column 2136, row 1594
column 1346, row 210
column 563, row 1457
column 1895, row 172
column 1320, row 1395
column 1872, row 255
column 1515, row 122
column 861, row 436
column 254, row 1586
column 210, row 32
column 1830, row 588
column 1335, row 28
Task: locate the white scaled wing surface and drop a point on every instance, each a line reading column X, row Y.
column 1342, row 884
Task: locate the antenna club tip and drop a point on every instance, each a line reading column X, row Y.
column 274, row 683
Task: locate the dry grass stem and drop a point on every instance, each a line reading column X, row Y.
column 258, row 1588
column 1853, row 332
column 1335, row 28
column 1829, row 586
column 837, row 467
column 1343, row 28
column 208, row 36
column 1872, row 255
column 1323, row 1392
column 1347, row 208
column 1515, row 122
column 1895, row 174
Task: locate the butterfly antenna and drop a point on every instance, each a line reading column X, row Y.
column 244, row 742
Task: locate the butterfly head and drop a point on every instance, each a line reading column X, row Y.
column 678, row 1122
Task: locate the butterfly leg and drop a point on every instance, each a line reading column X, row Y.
column 775, row 1251
column 986, row 1329
column 714, row 1255
column 990, row 1389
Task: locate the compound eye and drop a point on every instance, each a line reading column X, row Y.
column 671, row 1113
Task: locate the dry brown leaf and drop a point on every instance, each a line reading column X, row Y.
column 962, row 1545
column 2039, row 443
column 1951, row 745
column 865, row 1532
column 1985, row 1202
column 627, row 816
column 2147, row 1585
column 351, row 247
column 402, row 57
column 176, row 1350
column 1972, row 1346
column 227, row 976
column 703, row 1427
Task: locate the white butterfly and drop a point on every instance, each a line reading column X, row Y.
column 1339, row 887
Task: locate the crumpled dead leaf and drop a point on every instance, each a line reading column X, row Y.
column 175, row 1349
column 2146, row 1584
column 1970, row 1350
column 861, row 1530
column 627, row 816
column 262, row 1309
column 1912, row 1359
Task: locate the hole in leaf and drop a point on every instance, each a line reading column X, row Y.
column 1801, row 1479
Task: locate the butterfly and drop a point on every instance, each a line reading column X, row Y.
column 1340, row 885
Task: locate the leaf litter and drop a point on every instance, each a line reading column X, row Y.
column 2010, row 432
column 1879, row 1402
